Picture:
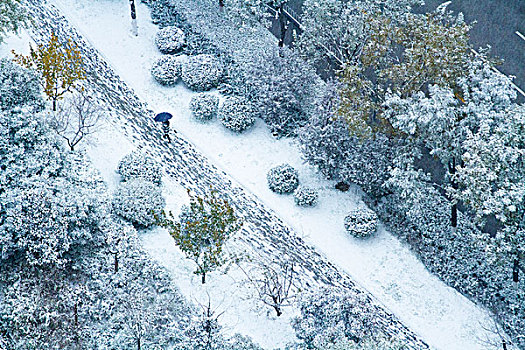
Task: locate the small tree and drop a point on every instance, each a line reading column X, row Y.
column 274, row 283
column 60, row 64
column 77, row 118
column 203, row 228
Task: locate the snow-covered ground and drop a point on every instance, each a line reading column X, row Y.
column 383, row 265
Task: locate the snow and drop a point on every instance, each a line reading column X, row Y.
column 384, row 266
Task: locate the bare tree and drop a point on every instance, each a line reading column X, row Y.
column 76, row 118
column 274, row 283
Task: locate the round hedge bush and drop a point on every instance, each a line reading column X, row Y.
column 138, row 201
column 138, row 165
column 204, row 106
column 283, row 179
column 236, row 114
column 201, row 72
column 361, row 222
column 170, row 40
column 305, row 197
column 166, row 70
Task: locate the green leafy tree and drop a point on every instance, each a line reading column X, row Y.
column 12, row 17
column 402, row 57
column 60, row 64
column 203, row 228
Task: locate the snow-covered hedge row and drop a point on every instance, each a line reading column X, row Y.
column 201, row 72
column 170, row 40
column 305, row 197
column 329, row 314
column 138, row 201
column 167, row 69
column 138, row 165
column 283, row 179
column 361, row 222
column 204, row 106
column 236, row 114
column 458, row 258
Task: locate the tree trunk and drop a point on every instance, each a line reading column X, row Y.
column 203, row 277
column 454, row 209
column 283, row 24
column 54, row 105
column 115, row 263
column 134, row 29
column 278, row 311
column 221, row 5
column 138, row 343
column 504, row 345
column 75, row 311
column 515, row 271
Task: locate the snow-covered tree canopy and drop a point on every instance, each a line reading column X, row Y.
column 12, row 17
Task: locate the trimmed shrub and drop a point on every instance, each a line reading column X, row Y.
column 166, row 70
column 204, row 106
column 170, row 40
column 283, row 179
column 361, row 222
column 138, row 201
column 236, row 114
column 305, row 197
column 138, row 165
column 202, row 72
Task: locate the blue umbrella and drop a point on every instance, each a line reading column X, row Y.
column 163, row 117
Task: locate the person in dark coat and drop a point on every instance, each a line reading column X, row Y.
column 166, row 129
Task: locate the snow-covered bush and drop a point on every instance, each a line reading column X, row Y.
column 280, row 85
column 201, row 72
column 326, row 143
column 330, row 314
column 237, row 114
column 283, row 179
column 170, row 40
column 361, row 222
column 305, row 197
column 204, row 106
column 166, row 70
column 138, row 201
column 18, row 86
column 138, row 165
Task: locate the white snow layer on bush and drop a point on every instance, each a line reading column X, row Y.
column 201, row 72
column 166, row 70
column 283, row 179
column 138, row 201
column 170, row 40
column 361, row 222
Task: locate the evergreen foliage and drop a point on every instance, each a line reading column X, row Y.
column 305, row 197
column 283, row 179
column 12, row 17
column 170, row 40
column 18, row 86
column 167, row 69
column 202, row 72
column 236, row 114
column 361, row 222
column 138, row 201
column 138, row 165
column 204, row 106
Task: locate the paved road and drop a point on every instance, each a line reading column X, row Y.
column 496, row 24
column 263, row 229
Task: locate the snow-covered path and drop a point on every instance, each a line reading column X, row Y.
column 385, row 267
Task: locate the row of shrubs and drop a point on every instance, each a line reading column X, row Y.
column 284, row 179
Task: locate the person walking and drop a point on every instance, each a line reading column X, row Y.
column 166, row 129
column 164, row 118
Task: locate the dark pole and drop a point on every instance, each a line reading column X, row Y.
column 454, row 210
column 133, row 18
